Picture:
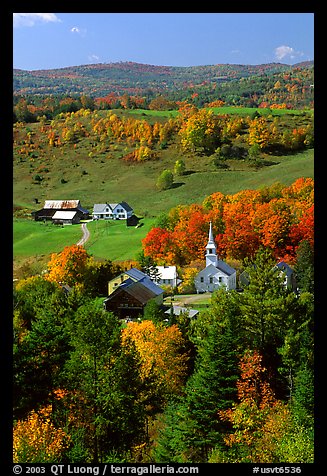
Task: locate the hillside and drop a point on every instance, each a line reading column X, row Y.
column 209, row 81
column 86, row 156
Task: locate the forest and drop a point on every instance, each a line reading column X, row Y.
column 242, row 85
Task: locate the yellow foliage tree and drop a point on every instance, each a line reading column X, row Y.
column 159, row 348
column 37, row 440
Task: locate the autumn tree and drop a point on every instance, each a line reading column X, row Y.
column 201, row 130
column 162, row 362
column 260, row 422
column 259, row 132
column 68, row 266
column 37, row 440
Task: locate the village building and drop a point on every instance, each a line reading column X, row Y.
column 289, row 276
column 129, row 293
column 285, row 272
column 178, row 310
column 167, row 276
column 217, row 273
column 112, row 211
column 51, row 209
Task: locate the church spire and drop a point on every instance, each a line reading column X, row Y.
column 211, row 251
column 211, row 240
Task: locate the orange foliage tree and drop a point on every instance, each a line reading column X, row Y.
column 276, row 217
column 259, row 420
column 68, row 266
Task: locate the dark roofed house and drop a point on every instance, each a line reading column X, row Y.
column 51, row 207
column 130, row 292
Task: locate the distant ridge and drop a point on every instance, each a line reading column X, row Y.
column 135, row 78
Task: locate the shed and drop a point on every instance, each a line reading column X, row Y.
column 65, row 217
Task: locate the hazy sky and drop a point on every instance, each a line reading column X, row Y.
column 55, row 40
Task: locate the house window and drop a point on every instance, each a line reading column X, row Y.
column 211, row 280
column 220, row 279
column 202, row 279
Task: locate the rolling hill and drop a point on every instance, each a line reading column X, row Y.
column 141, row 79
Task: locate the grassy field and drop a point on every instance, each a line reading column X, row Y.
column 36, row 238
column 243, row 111
column 115, row 241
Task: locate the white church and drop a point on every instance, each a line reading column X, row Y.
column 217, row 273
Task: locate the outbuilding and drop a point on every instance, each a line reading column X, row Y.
column 62, row 217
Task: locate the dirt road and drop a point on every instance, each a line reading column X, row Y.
column 86, row 235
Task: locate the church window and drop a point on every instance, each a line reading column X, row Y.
column 211, row 280
column 210, row 251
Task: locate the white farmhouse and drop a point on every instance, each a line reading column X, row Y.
column 217, row 273
column 112, row 211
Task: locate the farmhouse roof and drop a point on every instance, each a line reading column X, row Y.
column 126, row 206
column 100, row 207
column 60, row 204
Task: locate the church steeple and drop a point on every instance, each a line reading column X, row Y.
column 211, row 251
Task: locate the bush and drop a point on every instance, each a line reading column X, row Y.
column 165, row 180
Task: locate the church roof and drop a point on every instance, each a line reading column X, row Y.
column 211, row 269
column 225, row 268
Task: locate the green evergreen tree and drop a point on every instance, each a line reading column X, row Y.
column 104, row 383
column 212, row 387
column 304, row 267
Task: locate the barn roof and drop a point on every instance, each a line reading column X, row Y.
column 60, row 204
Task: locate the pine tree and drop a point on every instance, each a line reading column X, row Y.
column 211, row 388
column 194, row 421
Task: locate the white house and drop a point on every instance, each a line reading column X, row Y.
column 167, row 276
column 112, row 211
column 217, row 273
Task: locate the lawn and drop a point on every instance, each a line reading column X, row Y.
column 114, row 240
column 34, row 238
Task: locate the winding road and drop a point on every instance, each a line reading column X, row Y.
column 86, row 235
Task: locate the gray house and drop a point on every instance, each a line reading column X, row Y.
column 112, row 211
